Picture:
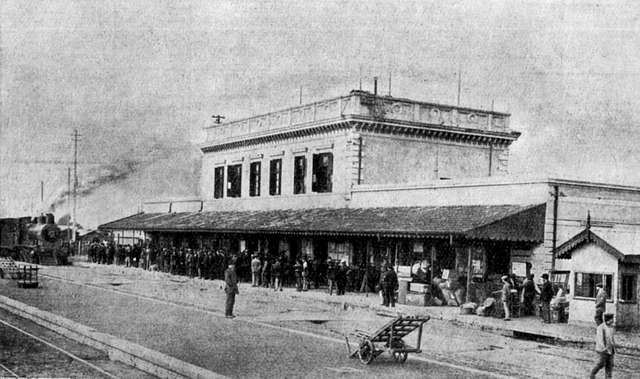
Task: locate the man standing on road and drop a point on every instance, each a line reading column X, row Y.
column 297, row 269
column 255, row 271
column 305, row 274
column 529, row 290
column 266, row 272
column 605, row 346
column 230, row 288
column 506, row 297
column 389, row 284
column 276, row 274
column 546, row 294
column 331, row 275
column 341, row 277
column 601, row 303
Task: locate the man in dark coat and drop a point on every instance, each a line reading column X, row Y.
column 389, row 285
column 601, row 303
column 341, row 277
column 230, row 288
column 546, row 294
column 529, row 291
column 297, row 270
column 331, row 275
column 266, row 273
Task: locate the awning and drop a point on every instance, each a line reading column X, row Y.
column 496, row 222
column 527, row 225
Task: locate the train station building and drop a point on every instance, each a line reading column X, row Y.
column 370, row 179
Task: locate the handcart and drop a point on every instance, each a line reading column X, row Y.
column 388, row 338
column 28, row 277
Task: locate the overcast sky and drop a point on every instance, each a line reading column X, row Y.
column 139, row 80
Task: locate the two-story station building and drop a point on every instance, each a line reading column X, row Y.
column 366, row 179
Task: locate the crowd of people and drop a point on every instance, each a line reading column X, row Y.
column 275, row 271
column 525, row 295
column 261, row 269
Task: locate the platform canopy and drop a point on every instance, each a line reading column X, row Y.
column 484, row 222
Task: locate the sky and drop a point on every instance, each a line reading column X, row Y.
column 139, row 80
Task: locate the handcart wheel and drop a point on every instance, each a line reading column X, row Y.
column 400, row 356
column 366, row 352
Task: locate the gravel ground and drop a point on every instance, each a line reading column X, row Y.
column 235, row 348
column 311, row 311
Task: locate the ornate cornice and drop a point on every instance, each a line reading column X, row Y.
column 276, row 136
column 371, row 124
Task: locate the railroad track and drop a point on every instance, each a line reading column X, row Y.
column 29, row 350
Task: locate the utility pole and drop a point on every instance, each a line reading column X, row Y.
column 75, row 183
column 69, row 201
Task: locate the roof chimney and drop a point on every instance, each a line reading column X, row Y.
column 375, row 86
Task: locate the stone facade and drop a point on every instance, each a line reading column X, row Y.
column 337, row 142
column 373, row 140
column 406, row 159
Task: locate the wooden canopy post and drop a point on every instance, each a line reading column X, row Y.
column 396, row 254
column 433, row 254
column 468, row 294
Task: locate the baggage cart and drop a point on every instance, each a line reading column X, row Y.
column 387, row 338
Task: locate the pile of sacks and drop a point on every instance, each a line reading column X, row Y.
column 443, row 294
column 487, row 307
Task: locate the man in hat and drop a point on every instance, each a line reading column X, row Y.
column 331, row 275
column 276, row 274
column 255, row 271
column 601, row 303
column 506, row 297
column 605, row 346
column 529, row 290
column 297, row 271
column 230, row 288
column 341, row 277
column 389, row 284
column 546, row 294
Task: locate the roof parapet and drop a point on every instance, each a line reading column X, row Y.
column 360, row 105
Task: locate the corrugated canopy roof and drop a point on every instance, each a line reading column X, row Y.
column 499, row 222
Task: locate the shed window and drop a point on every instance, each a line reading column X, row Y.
column 234, row 180
column 218, row 182
column 322, row 172
column 275, row 177
column 628, row 283
column 299, row 173
column 254, row 179
column 586, row 284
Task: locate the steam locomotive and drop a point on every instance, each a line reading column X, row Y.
column 35, row 240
